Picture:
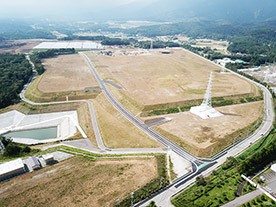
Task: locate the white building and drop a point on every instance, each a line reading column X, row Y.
column 273, row 167
column 48, row 158
column 11, row 169
column 34, row 163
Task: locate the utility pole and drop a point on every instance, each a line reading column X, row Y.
column 151, row 44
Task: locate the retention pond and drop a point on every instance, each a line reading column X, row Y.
column 37, row 134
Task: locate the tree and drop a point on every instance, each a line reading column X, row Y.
column 12, row 150
column 5, row 141
column 152, row 204
column 200, row 180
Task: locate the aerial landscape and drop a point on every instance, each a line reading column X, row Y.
column 150, row 103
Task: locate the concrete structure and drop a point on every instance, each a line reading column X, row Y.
column 205, row 110
column 85, row 45
column 48, row 158
column 11, row 169
column 34, row 163
column 66, row 123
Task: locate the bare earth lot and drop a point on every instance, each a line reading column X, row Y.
column 213, row 44
column 66, row 73
column 202, row 136
column 157, row 78
column 116, row 130
column 79, row 182
column 19, row 46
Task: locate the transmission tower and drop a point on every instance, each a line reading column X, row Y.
column 207, row 101
column 205, row 110
column 151, row 44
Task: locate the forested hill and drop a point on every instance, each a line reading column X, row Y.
column 15, row 70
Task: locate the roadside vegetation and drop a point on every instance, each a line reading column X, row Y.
column 216, row 102
column 261, row 200
column 15, row 71
column 14, row 150
column 223, row 185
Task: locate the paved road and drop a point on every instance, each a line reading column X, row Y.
column 95, row 126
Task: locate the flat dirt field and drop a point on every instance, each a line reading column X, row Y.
column 213, row 44
column 66, row 73
column 155, row 78
column 116, row 130
column 19, row 46
column 204, row 137
column 79, row 182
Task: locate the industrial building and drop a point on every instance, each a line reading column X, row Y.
column 48, row 158
column 11, row 169
column 34, row 163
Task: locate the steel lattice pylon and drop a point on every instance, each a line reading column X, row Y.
column 207, row 101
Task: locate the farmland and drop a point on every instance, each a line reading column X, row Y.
column 79, row 182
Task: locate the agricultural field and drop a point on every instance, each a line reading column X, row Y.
column 79, row 182
column 116, row 130
column 205, row 137
column 65, row 76
column 154, row 78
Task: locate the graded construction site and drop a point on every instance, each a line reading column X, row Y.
column 67, row 77
column 177, row 79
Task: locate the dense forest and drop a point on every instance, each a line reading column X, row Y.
column 12, row 30
column 253, row 43
column 15, row 71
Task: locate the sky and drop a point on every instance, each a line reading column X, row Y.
column 63, row 8
column 163, row 10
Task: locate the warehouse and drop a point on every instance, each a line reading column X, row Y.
column 11, row 169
